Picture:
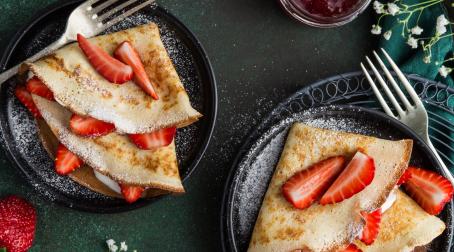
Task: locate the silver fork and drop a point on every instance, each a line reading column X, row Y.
column 414, row 116
column 85, row 20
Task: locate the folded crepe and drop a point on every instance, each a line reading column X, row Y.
column 404, row 226
column 77, row 86
column 113, row 155
column 281, row 227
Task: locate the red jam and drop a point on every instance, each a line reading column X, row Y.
column 326, row 8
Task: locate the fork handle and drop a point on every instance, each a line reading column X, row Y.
column 46, row 51
column 443, row 166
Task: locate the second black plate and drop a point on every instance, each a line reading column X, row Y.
column 18, row 129
column 249, row 180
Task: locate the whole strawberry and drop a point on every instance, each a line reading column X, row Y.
column 17, row 224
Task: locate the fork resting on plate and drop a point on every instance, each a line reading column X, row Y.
column 89, row 20
column 413, row 115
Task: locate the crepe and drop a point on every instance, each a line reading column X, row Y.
column 404, row 226
column 84, row 175
column 281, row 227
column 114, row 155
column 77, row 86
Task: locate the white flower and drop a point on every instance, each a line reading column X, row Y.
column 111, row 245
column 387, row 34
column 444, row 71
column 393, row 9
column 379, row 7
column 426, row 59
column 123, row 246
column 376, row 29
column 416, row 30
column 442, row 22
column 412, row 42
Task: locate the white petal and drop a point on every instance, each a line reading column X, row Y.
column 416, row 30
column 387, row 35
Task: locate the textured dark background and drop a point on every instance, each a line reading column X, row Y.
column 260, row 56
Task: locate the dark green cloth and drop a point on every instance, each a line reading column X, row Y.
column 411, row 60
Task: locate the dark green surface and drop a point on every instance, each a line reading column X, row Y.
column 260, row 56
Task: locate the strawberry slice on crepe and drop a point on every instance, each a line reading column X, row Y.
column 110, row 68
column 429, row 189
column 26, row 99
column 371, row 227
column 358, row 174
column 306, row 186
column 89, row 126
column 404, row 178
column 37, row 87
column 128, row 55
column 131, row 193
column 66, row 161
column 352, row 248
column 154, row 140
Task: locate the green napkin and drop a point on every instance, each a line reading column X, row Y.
column 411, row 60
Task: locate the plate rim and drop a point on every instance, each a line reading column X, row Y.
column 212, row 115
column 226, row 231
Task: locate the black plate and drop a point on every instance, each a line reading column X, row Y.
column 253, row 169
column 19, row 136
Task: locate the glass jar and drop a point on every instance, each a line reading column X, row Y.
column 324, row 13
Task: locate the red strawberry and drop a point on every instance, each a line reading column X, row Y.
column 358, row 174
column 430, row 190
column 107, row 66
column 352, row 248
column 26, row 98
column 128, row 55
column 371, row 227
column 89, row 126
column 37, row 87
column 404, row 178
column 131, row 193
column 306, row 186
column 17, row 224
column 153, row 140
column 66, row 161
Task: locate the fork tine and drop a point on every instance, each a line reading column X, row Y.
column 115, row 10
column 377, row 93
column 104, row 5
column 386, row 88
column 393, row 82
column 404, row 80
column 128, row 13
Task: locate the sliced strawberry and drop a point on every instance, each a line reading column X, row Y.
column 26, row 98
column 371, row 227
column 352, row 248
column 37, row 87
column 66, row 161
column 306, row 186
column 430, row 190
column 107, row 66
column 89, row 126
column 358, row 174
column 131, row 193
column 126, row 53
column 153, row 140
column 404, row 178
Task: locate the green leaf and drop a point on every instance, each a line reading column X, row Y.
column 2, row 249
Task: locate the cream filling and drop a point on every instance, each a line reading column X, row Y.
column 389, row 201
column 108, row 182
